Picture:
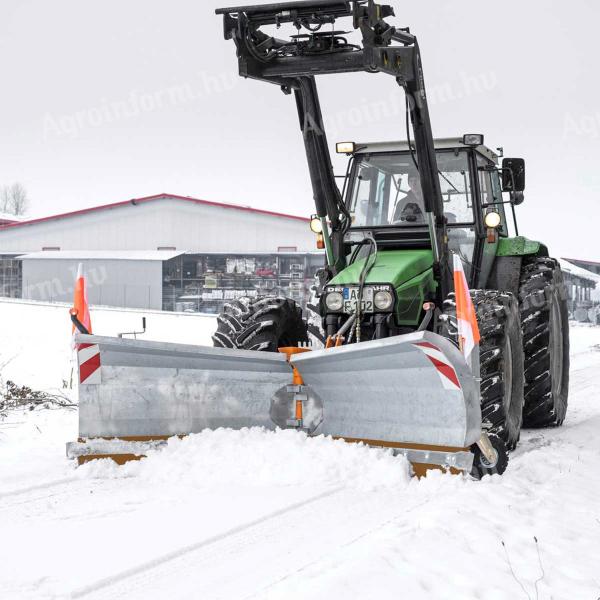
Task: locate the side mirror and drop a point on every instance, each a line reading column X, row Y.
column 513, row 175
column 517, row 198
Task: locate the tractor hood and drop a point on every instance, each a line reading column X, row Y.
column 395, row 267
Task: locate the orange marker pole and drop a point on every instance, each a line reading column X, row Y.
column 81, row 309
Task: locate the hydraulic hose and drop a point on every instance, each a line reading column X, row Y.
column 363, row 275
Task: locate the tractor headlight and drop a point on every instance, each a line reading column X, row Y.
column 383, row 300
column 345, row 147
column 316, row 226
column 473, row 139
column 334, row 301
column 492, row 219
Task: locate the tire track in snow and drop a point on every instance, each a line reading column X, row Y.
column 143, row 569
column 319, row 559
column 582, row 380
column 256, row 559
column 35, row 488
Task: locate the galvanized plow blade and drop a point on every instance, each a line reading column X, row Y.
column 140, row 389
column 414, row 393
column 414, row 388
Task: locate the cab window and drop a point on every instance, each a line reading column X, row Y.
column 491, row 193
column 386, row 189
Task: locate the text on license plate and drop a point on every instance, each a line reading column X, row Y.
column 351, row 298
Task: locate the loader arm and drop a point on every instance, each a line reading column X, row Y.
column 293, row 64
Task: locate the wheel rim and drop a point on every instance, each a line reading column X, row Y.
column 556, row 347
column 508, row 375
column 483, row 461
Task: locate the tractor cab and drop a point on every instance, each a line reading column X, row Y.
column 384, row 197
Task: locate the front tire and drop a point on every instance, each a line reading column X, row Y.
column 316, row 334
column 545, row 322
column 265, row 324
column 500, row 362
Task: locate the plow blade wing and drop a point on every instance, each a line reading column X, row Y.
column 414, row 388
column 141, row 389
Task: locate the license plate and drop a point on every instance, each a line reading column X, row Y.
column 351, row 299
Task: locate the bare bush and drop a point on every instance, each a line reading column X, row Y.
column 13, row 396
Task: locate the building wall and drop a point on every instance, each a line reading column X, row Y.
column 162, row 223
column 129, row 283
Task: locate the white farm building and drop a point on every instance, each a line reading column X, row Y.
column 159, row 252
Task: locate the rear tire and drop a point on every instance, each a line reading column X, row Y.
column 545, row 322
column 500, row 360
column 264, row 325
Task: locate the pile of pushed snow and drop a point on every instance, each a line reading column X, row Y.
column 258, row 457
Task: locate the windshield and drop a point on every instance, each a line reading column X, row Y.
column 387, row 191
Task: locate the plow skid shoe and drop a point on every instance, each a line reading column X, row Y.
column 409, row 389
column 140, row 389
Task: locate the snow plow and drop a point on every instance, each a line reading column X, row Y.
column 394, row 351
column 419, row 388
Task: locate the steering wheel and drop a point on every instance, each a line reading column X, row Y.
column 411, row 213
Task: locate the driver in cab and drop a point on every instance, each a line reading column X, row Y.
column 411, row 208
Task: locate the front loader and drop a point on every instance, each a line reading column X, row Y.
column 384, row 364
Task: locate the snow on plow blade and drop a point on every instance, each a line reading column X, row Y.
column 414, row 393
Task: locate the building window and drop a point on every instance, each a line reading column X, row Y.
column 166, row 248
column 10, row 277
column 206, row 282
column 287, row 248
column 50, row 248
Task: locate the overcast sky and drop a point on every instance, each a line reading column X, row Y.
column 103, row 101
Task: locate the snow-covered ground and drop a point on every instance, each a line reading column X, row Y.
column 276, row 515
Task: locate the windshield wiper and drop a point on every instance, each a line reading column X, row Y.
column 448, row 181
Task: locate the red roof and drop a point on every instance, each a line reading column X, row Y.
column 136, row 201
column 6, row 218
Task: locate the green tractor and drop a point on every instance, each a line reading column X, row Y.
column 391, row 362
column 390, row 234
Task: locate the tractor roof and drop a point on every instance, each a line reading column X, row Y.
column 440, row 143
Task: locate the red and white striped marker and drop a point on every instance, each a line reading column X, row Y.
column 88, row 357
column 445, row 370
